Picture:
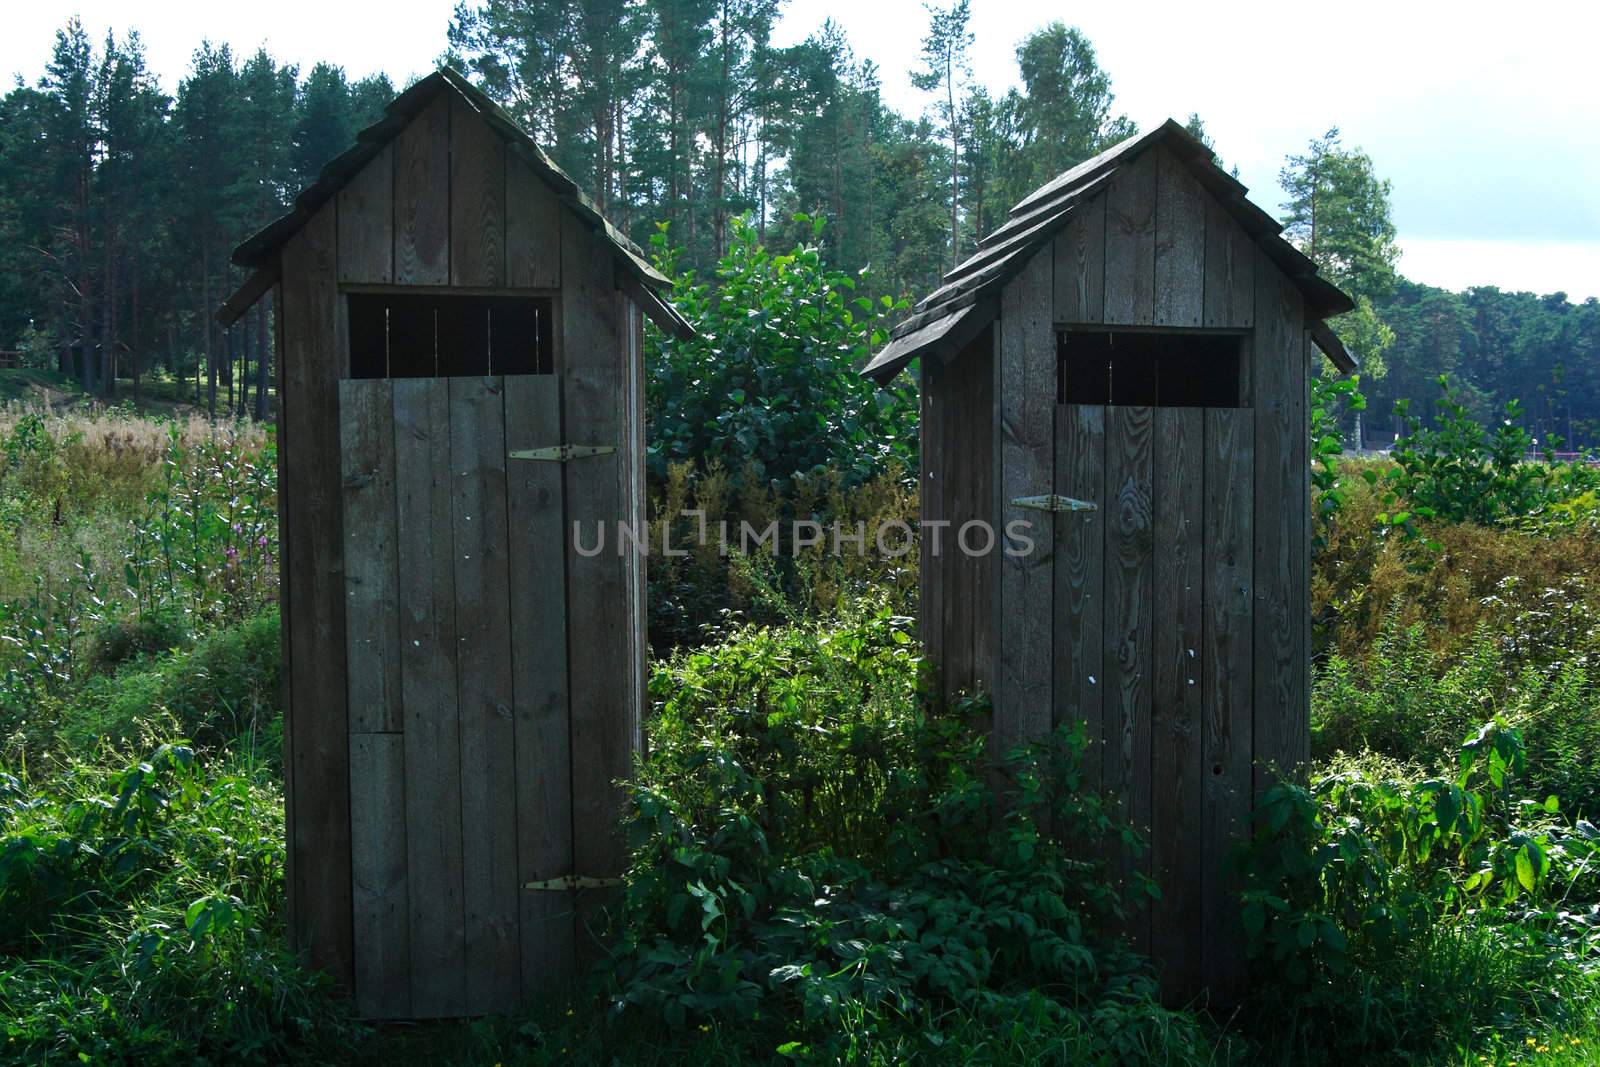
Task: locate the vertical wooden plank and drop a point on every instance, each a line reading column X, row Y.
column 930, row 506
column 285, row 608
column 1180, row 244
column 957, row 575
column 428, row 696
column 606, row 708
column 483, row 694
column 1176, row 704
column 1027, row 390
column 1226, row 660
column 1129, row 577
column 1080, row 251
column 319, row 755
column 533, row 228
column 1131, row 243
column 1230, row 269
column 366, row 222
column 1281, row 730
column 477, row 199
column 422, row 197
column 1080, row 537
column 979, row 446
column 372, row 634
column 378, row 850
column 537, row 577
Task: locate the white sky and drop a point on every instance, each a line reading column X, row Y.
column 1486, row 117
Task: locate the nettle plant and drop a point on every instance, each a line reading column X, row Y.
column 1353, row 872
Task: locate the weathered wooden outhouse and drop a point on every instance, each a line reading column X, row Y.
column 459, row 386
column 1122, row 366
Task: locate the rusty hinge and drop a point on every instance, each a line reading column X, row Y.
column 573, row 881
column 562, row 453
column 1052, row 502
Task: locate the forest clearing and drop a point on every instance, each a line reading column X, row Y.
column 706, row 568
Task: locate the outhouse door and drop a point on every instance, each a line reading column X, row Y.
column 1153, row 646
column 458, row 691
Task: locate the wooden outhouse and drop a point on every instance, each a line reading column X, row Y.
column 459, row 388
column 1122, row 368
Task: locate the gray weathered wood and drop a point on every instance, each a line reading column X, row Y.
column 428, row 696
column 378, row 860
column 483, row 694
column 1180, row 244
column 1080, row 251
column 533, row 228
column 1230, row 269
column 313, row 535
column 372, row 635
column 1027, row 354
column 1129, row 576
column 366, row 222
column 980, row 445
column 935, row 399
column 1131, row 244
column 1226, row 664
column 477, row 200
column 422, row 198
column 1176, row 698
column 1080, row 537
column 537, row 573
column 1282, row 731
column 606, row 711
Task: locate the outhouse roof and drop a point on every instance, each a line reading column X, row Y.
column 968, row 300
column 260, row 250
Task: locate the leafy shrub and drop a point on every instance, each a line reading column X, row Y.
column 141, row 637
column 769, row 383
column 1371, row 887
column 819, row 864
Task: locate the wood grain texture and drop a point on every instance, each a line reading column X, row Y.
column 606, row 709
column 1080, row 539
column 366, row 222
column 1080, row 251
column 372, row 630
column 477, row 200
column 319, row 753
column 1230, row 269
column 1176, row 698
column 931, row 507
column 1226, row 658
column 1282, row 730
column 1129, row 579
column 1027, row 354
column 533, row 228
column 422, row 197
column 483, row 694
column 1180, row 244
column 1131, row 244
column 957, row 576
column 378, row 850
column 428, row 696
column 980, row 445
column 537, row 574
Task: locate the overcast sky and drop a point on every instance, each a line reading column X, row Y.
column 1486, row 117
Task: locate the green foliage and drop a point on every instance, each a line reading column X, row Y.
column 1328, row 397
column 1358, row 891
column 822, row 865
column 770, row 380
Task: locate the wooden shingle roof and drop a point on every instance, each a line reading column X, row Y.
column 261, row 249
column 968, row 300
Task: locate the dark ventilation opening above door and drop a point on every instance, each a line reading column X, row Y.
column 1148, row 369
column 405, row 335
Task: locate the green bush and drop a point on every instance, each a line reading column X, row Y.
column 769, row 382
column 820, row 865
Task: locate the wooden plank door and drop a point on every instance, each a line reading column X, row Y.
column 1153, row 641
column 457, row 675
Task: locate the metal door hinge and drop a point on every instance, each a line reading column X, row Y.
column 1053, row 502
column 573, row 881
column 562, row 453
